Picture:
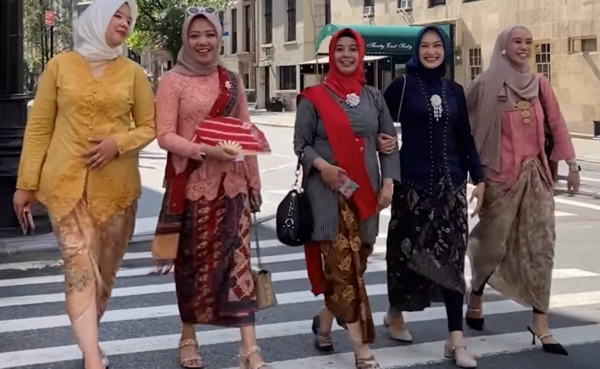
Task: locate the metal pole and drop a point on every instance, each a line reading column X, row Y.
column 13, row 115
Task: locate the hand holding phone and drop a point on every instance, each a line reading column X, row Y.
column 346, row 186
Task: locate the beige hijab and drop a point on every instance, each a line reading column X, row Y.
column 497, row 89
column 186, row 63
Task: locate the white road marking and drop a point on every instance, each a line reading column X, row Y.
column 579, row 204
column 419, row 353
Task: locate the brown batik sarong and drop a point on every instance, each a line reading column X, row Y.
column 514, row 239
column 92, row 254
column 212, row 270
column 345, row 262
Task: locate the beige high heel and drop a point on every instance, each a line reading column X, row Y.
column 459, row 356
column 401, row 335
column 245, row 362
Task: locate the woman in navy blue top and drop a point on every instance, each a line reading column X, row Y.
column 427, row 234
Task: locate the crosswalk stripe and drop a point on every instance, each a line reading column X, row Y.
column 431, row 352
column 152, row 312
column 264, row 331
column 374, row 266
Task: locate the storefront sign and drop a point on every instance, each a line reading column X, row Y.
column 389, row 47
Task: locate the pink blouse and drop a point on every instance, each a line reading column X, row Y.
column 520, row 141
column 182, row 102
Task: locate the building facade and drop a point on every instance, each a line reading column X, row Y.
column 565, row 35
column 286, row 39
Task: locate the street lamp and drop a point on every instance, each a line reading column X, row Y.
column 13, row 116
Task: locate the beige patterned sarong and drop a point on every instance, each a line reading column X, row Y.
column 514, row 239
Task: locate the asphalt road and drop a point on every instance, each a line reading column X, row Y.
column 140, row 329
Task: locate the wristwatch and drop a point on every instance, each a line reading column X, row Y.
column 574, row 168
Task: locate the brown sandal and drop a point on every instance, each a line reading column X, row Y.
column 323, row 343
column 190, row 363
column 366, row 363
column 245, row 356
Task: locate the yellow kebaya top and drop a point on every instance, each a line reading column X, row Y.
column 70, row 107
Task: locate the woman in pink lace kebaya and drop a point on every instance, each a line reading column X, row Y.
column 512, row 246
column 204, row 224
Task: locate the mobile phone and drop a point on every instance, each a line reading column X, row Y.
column 346, row 186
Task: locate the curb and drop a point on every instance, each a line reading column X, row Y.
column 282, row 125
column 47, row 242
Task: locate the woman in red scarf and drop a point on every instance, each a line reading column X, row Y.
column 337, row 123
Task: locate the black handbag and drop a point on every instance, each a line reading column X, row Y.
column 294, row 222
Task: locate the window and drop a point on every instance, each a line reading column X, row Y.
column 247, row 28
column 543, row 60
column 287, row 77
column 475, row 62
column 405, row 4
column 583, row 45
column 291, row 20
column 470, row 1
column 234, row 33
column 268, row 21
column 369, row 2
column 327, row 11
column 433, row 3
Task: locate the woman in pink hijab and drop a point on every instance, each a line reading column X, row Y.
column 204, row 225
column 520, row 135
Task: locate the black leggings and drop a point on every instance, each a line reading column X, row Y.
column 479, row 293
column 454, row 310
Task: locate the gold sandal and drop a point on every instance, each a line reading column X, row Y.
column 245, row 362
column 366, row 363
column 190, row 363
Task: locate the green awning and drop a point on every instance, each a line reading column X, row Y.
column 380, row 40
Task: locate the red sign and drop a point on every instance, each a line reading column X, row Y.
column 49, row 18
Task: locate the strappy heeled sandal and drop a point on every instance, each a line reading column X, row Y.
column 195, row 362
column 323, row 342
column 474, row 323
column 551, row 348
column 459, row 355
column 105, row 361
column 245, row 356
column 366, row 363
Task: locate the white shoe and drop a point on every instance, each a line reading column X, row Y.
column 459, row 356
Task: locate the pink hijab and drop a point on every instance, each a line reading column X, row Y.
column 500, row 86
column 186, row 63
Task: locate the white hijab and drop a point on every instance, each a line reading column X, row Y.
column 89, row 34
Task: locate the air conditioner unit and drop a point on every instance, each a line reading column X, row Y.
column 405, row 4
column 369, row 11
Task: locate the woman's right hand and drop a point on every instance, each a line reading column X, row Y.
column 22, row 200
column 331, row 175
column 219, row 153
column 163, row 266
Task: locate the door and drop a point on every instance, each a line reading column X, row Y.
column 267, row 85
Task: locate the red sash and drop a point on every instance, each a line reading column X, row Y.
column 348, row 152
column 178, row 182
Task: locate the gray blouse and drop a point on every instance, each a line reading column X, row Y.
column 367, row 120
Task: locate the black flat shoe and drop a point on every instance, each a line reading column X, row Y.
column 551, row 348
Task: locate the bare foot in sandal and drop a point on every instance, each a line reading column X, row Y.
column 188, row 354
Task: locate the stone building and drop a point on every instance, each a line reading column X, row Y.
column 565, row 34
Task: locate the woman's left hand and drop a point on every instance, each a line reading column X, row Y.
column 386, row 143
column 255, row 201
column 478, row 193
column 384, row 199
column 573, row 182
column 105, row 150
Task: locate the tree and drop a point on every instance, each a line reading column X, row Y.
column 159, row 23
column 37, row 45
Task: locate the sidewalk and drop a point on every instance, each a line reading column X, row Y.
column 587, row 150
